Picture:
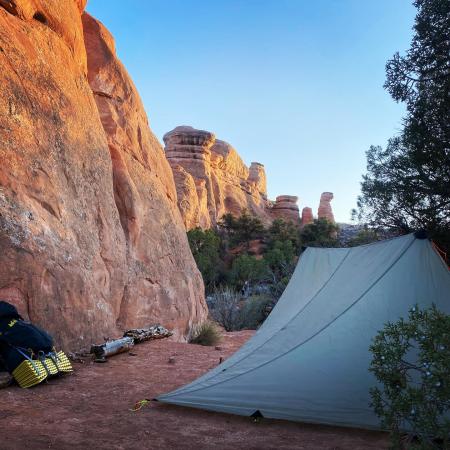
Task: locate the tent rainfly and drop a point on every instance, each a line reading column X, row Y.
column 309, row 360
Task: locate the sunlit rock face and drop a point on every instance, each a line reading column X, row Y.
column 285, row 207
column 91, row 239
column 257, row 175
column 325, row 211
column 192, row 198
column 164, row 277
column 221, row 183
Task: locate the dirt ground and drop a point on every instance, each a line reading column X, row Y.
column 91, row 409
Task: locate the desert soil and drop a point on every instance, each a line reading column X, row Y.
column 91, row 409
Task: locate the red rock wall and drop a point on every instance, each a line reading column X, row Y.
column 91, row 240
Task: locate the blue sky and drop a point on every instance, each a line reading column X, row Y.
column 293, row 84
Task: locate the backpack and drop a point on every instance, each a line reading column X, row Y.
column 20, row 339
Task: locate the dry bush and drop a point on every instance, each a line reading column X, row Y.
column 225, row 309
column 206, row 334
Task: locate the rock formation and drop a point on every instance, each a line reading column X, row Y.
column 285, row 207
column 212, row 180
column 223, row 183
column 91, row 239
column 257, row 175
column 192, row 199
column 307, row 216
column 325, row 211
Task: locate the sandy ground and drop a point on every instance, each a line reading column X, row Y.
column 91, row 409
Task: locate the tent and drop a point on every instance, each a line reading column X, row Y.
column 309, row 360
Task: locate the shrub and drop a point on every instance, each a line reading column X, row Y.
column 278, row 288
column 284, row 231
column 254, row 311
column 364, row 236
column 205, row 247
column 243, row 229
column 206, row 334
column 246, row 268
column 225, row 308
column 280, row 261
column 320, row 233
column 411, row 360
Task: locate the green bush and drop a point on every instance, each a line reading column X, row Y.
column 254, row 311
column 364, row 236
column 411, row 361
column 283, row 231
column 243, row 229
column 320, row 233
column 205, row 247
column 222, row 255
column 280, row 261
column 206, row 334
column 278, row 288
column 233, row 313
column 246, row 268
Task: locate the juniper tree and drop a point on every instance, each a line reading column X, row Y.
column 407, row 184
column 411, row 361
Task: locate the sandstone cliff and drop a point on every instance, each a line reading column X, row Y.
column 91, row 239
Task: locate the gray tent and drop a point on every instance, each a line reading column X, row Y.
column 309, row 361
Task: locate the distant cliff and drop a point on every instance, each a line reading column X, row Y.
column 212, row 180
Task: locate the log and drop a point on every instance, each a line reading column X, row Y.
column 130, row 337
column 112, row 348
column 146, row 334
